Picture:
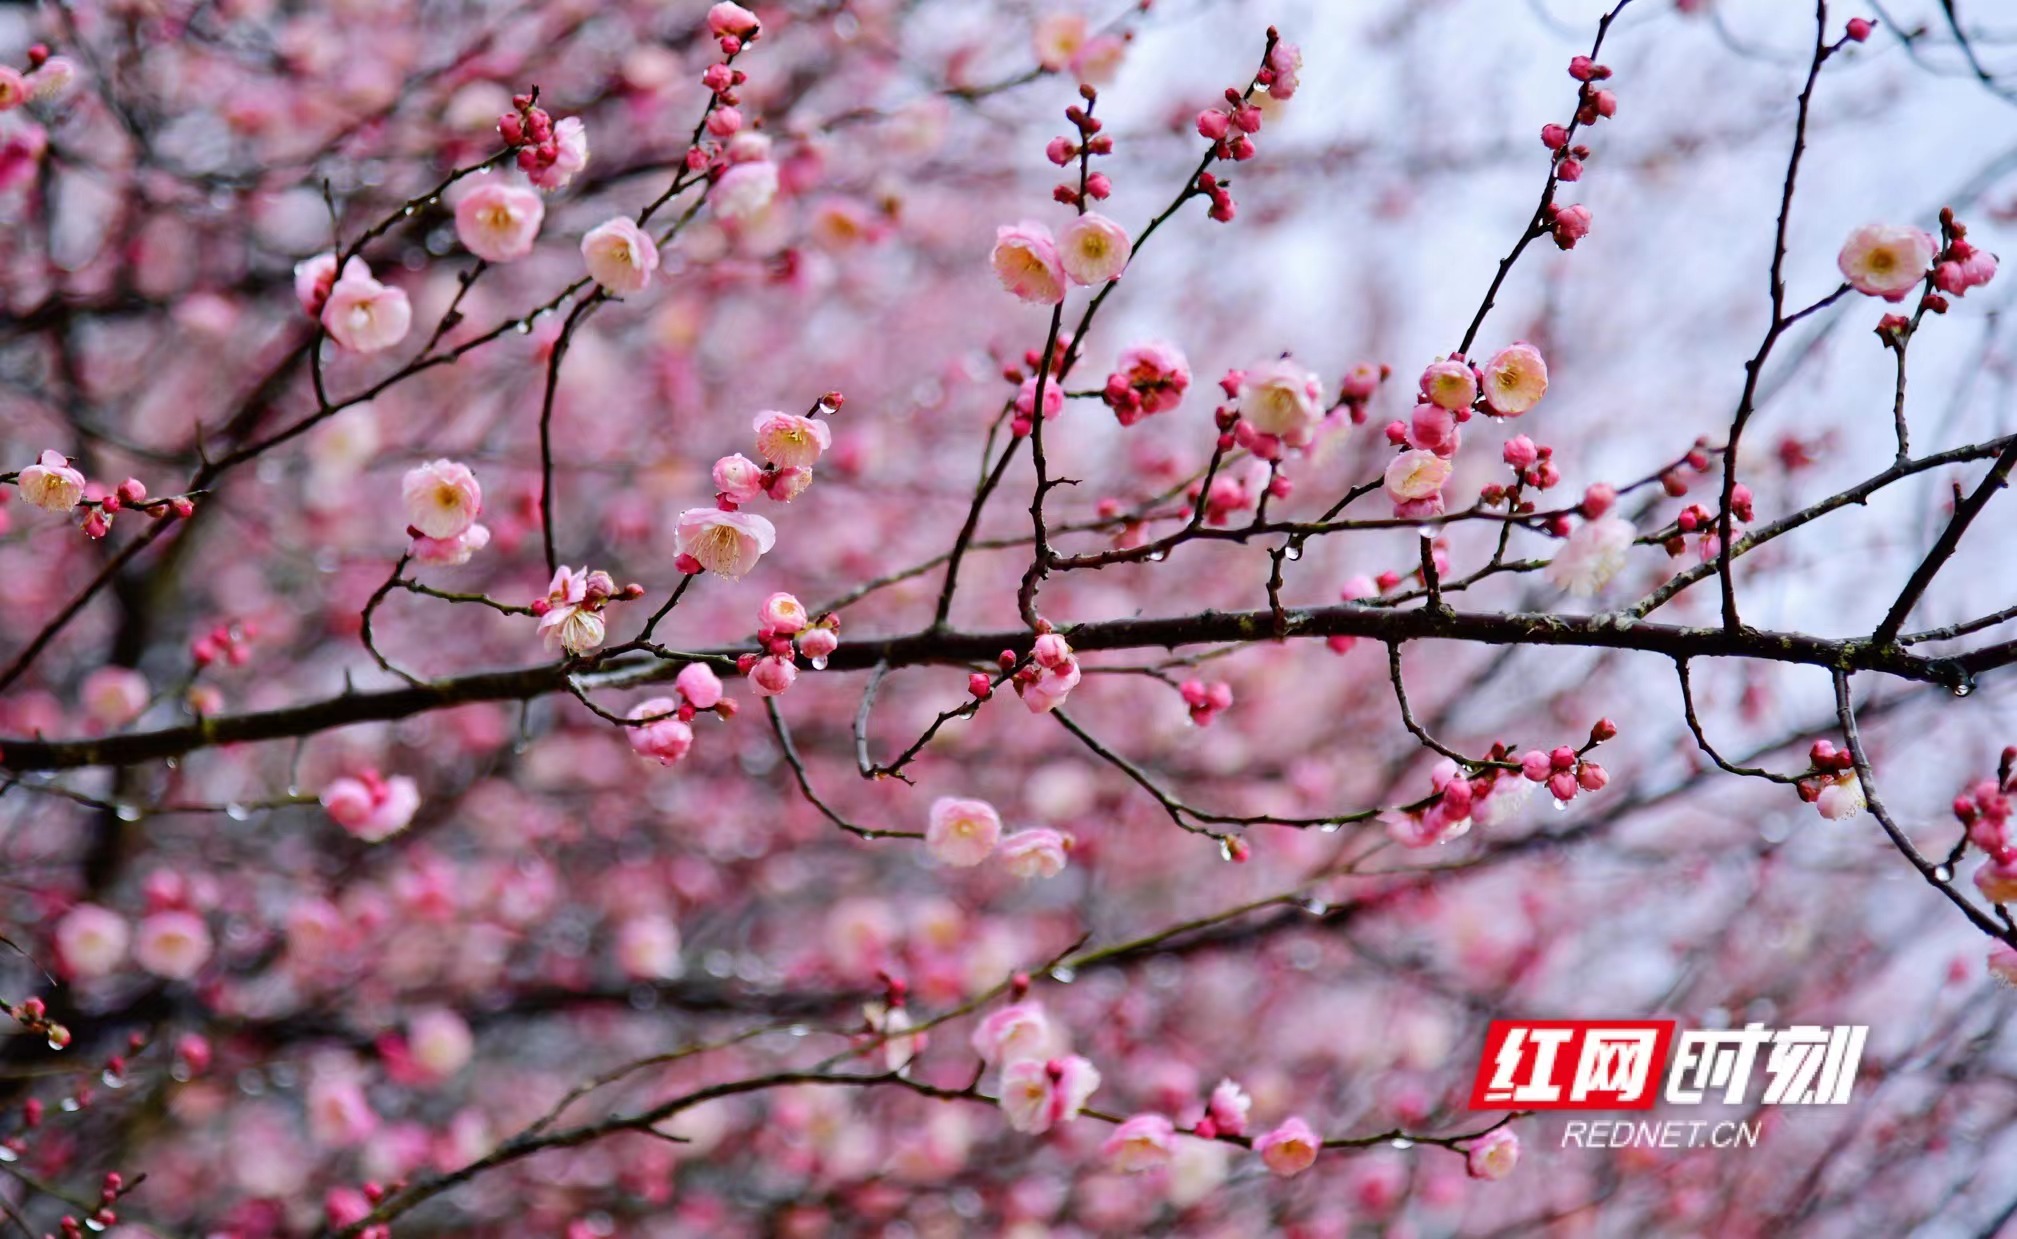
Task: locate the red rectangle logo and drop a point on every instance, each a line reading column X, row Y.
column 1572, row 1065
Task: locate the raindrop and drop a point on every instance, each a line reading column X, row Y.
column 127, row 812
column 1293, row 550
column 1331, row 828
column 7, row 1154
column 173, row 763
column 1943, row 873
column 524, row 326
column 1063, row 975
column 1226, row 848
column 113, row 1079
column 1156, row 557
column 1561, row 806
column 237, row 812
column 70, row 1106
column 1425, row 533
column 1316, row 907
column 407, row 211
column 57, row 1043
column 1402, row 1142
column 1964, row 688
column 92, row 1223
column 800, row 1030
column 819, row 664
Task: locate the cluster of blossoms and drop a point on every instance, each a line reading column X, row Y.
column 171, row 941
column 728, row 541
column 1274, row 407
column 662, row 728
column 782, row 620
column 370, row 806
column 53, row 484
column 1044, row 682
column 1039, row 267
column 1890, row 260
column 1984, row 811
column 1147, row 379
column 1205, row 700
column 736, row 160
column 571, row 614
column 1450, row 391
column 1039, row 1087
column 1570, row 224
column 359, row 313
column 1066, row 41
column 1564, row 770
column 1831, row 785
column 443, row 500
column 228, row 640
column 1486, row 797
column 550, row 153
column 47, row 79
column 963, row 833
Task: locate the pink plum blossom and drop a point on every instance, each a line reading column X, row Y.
column 961, row 832
column 51, row 483
column 727, row 543
column 172, row 943
column 1052, row 674
column 1093, row 249
column 1026, row 261
column 440, row 1041
column 499, row 223
column 786, row 439
column 737, row 478
column 1289, row 1149
column 1515, row 379
column 91, row 941
column 1493, row 1155
column 1450, row 384
column 1594, row 553
column 1282, row 399
column 698, row 683
column 443, row 499
column 1018, row 1031
column 364, row 315
column 1036, row 853
column 620, row 256
column 571, row 141
column 1228, row 1107
column 1841, row 798
column 782, row 614
column 744, row 191
column 667, row 738
column 370, row 807
column 1036, row 1094
column 1886, row 260
column 1143, row 1142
